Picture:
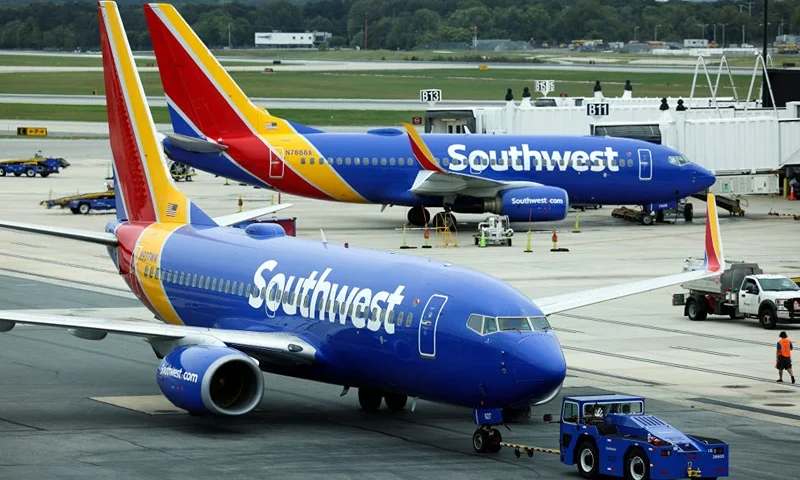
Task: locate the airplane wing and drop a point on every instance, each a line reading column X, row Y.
column 279, row 347
column 435, row 180
column 234, row 218
column 102, row 238
column 713, row 265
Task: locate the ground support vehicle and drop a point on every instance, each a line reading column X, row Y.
column 613, row 436
column 84, row 203
column 495, row 230
column 655, row 212
column 742, row 290
column 32, row 166
column 179, row 171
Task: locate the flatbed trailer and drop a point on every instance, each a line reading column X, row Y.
column 84, row 203
column 30, row 167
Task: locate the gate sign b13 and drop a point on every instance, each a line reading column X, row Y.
column 430, row 95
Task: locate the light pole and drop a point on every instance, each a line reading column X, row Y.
column 703, row 26
column 229, row 36
column 723, row 34
column 635, row 29
column 715, row 33
column 655, row 35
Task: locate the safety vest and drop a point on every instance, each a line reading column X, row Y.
column 786, row 346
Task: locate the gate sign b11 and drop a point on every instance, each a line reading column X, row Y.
column 430, row 95
column 597, row 109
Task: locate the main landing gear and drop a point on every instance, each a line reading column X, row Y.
column 419, row 216
column 370, row 400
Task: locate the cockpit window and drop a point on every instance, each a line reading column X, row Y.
column 540, row 323
column 475, row 323
column 513, row 323
column 490, row 325
column 678, row 160
column 486, row 325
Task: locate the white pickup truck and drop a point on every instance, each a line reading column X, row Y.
column 742, row 290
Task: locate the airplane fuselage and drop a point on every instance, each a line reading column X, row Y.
column 376, row 319
column 380, row 167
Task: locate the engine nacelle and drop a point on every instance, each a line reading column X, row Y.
column 525, row 204
column 535, row 204
column 206, row 379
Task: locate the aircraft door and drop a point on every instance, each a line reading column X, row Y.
column 645, row 164
column 276, row 162
column 134, row 256
column 427, row 325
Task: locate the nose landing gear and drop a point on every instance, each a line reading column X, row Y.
column 487, row 440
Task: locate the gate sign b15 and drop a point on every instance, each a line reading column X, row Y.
column 430, row 95
column 597, row 109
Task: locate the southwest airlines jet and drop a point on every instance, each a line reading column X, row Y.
column 530, row 178
column 234, row 303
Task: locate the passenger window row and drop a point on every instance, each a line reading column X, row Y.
column 358, row 161
column 285, row 297
column 598, row 162
column 445, row 161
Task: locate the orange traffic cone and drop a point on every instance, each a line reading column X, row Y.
column 555, row 243
column 791, row 194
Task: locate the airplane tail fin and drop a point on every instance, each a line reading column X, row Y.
column 421, row 151
column 714, row 260
column 204, row 101
column 145, row 191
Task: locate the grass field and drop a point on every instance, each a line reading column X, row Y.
column 459, row 84
column 97, row 113
column 541, row 55
column 494, row 58
column 74, row 61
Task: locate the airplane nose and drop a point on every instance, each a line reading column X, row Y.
column 703, row 178
column 539, row 364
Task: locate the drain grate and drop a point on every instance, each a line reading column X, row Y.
column 779, row 404
column 781, row 391
column 735, row 386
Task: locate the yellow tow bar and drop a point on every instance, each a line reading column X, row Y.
column 518, row 449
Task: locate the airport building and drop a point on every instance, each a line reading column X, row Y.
column 295, row 40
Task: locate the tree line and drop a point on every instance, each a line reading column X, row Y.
column 406, row 24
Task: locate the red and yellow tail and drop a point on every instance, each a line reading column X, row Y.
column 206, row 103
column 714, row 260
column 204, row 100
column 145, row 190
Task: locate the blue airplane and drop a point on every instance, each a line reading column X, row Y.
column 232, row 303
column 217, row 129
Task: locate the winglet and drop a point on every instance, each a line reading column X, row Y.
column 421, row 151
column 714, row 261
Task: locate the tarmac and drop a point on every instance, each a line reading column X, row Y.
column 73, row 408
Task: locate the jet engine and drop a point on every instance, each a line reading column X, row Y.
column 209, row 379
column 524, row 204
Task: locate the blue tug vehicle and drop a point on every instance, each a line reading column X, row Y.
column 612, row 435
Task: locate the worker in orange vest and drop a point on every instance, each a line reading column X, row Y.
column 784, row 357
